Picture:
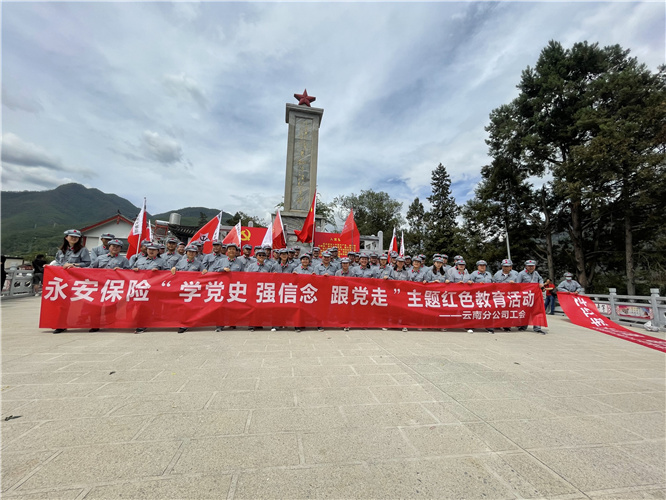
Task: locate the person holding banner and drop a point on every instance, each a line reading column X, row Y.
column 189, row 262
column 102, row 249
column 72, row 253
column 141, row 253
column 283, row 265
column 416, row 273
column 363, row 270
column 113, row 259
column 383, row 270
column 151, row 261
column 481, row 275
column 229, row 263
column 459, row 273
column 570, row 285
column 506, row 274
column 530, row 275
column 260, row 265
column 345, row 270
column 400, row 272
column 211, row 258
column 305, row 267
column 325, row 267
column 437, row 273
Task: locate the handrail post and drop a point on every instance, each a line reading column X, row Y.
column 612, row 293
column 656, row 314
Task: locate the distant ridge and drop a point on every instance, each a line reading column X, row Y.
column 33, row 221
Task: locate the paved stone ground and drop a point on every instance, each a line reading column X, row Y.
column 360, row 414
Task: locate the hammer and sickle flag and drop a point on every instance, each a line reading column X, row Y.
column 208, row 233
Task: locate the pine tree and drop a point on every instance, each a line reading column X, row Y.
column 441, row 218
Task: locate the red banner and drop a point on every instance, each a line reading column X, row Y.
column 102, row 298
column 582, row 312
column 328, row 240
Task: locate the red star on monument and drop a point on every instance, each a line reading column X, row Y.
column 304, row 99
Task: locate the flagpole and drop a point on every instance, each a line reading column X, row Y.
column 352, row 245
column 314, row 221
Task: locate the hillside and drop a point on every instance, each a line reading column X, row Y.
column 33, row 221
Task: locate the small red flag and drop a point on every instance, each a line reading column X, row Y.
column 350, row 234
column 208, row 233
column 139, row 232
column 306, row 235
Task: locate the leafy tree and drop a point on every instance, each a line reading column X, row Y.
column 203, row 219
column 373, row 211
column 245, row 218
column 415, row 237
column 440, row 220
column 593, row 119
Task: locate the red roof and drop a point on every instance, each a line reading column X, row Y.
column 118, row 218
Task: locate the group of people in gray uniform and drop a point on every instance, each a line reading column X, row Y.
column 176, row 256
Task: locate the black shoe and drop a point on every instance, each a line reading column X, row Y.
column 59, row 330
column 251, row 329
column 182, row 330
column 522, row 328
column 140, row 330
column 320, row 329
column 219, row 328
column 506, row 329
column 232, row 328
column 490, row 330
column 93, row 330
column 297, row 329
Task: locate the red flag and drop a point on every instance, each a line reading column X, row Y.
column 350, row 234
column 306, row 235
column 393, row 247
column 139, row 232
column 234, row 235
column 208, row 233
column 277, row 230
column 402, row 243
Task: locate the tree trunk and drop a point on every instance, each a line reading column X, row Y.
column 629, row 254
column 576, row 233
column 549, row 236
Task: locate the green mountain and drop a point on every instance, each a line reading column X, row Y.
column 33, row 221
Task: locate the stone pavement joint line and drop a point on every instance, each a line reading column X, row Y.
column 362, row 414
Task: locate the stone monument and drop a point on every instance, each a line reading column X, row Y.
column 302, row 148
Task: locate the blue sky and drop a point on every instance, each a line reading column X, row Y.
column 184, row 103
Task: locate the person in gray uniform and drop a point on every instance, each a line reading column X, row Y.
column 570, row 285
column 363, row 270
column 102, row 249
column 316, row 256
column 445, row 260
column 284, row 266
column 530, row 275
column 209, row 259
column 261, row 264
column 325, row 268
column 345, row 269
column 72, row 253
column 228, row 263
column 436, row 273
column 383, row 271
column 151, row 261
column 481, row 275
column 246, row 257
column 112, row 259
column 188, row 263
column 400, row 272
column 458, row 274
column 334, row 256
column 374, row 260
column 506, row 275
column 305, row 267
column 416, row 273
column 141, row 253
column 408, row 262
column 171, row 256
